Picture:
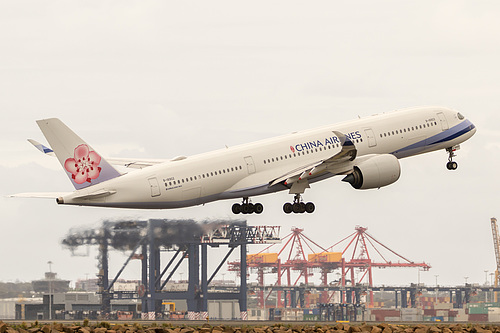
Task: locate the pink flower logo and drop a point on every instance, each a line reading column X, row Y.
column 84, row 167
column 292, row 149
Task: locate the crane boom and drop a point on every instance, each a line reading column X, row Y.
column 496, row 242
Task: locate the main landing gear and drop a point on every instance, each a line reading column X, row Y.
column 451, row 165
column 247, row 208
column 298, row 206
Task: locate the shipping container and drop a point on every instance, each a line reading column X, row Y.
column 441, row 313
column 494, row 310
column 311, row 317
column 478, row 317
column 415, row 317
column 443, row 306
column 430, row 312
column 478, row 310
column 325, row 257
column 266, row 258
column 411, row 311
column 382, row 314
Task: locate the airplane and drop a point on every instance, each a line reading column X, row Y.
column 366, row 151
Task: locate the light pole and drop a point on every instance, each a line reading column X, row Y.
column 50, row 289
column 486, row 283
column 436, row 288
column 465, row 278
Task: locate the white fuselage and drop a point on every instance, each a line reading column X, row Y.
column 247, row 170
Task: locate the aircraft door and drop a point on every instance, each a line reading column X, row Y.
column 372, row 141
column 444, row 122
column 250, row 164
column 155, row 187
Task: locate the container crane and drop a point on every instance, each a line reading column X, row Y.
column 496, row 244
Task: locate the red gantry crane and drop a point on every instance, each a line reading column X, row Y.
column 365, row 253
column 357, row 254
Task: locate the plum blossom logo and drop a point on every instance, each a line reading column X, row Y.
column 84, row 166
column 292, row 149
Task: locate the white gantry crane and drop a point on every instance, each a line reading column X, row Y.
column 496, row 244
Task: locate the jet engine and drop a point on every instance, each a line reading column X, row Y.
column 374, row 172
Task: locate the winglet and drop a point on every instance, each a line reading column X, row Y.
column 42, row 148
column 348, row 147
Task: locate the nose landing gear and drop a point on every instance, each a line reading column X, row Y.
column 298, row 207
column 452, row 165
column 247, row 208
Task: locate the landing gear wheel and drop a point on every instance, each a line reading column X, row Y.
column 310, row 207
column 247, row 207
column 236, row 208
column 452, row 165
column 296, row 208
column 288, row 208
column 302, row 207
column 258, row 208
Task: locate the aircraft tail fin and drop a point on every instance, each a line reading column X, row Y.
column 83, row 165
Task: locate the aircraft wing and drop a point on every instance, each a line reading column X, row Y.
column 337, row 164
column 126, row 162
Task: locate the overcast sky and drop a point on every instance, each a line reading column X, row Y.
column 160, row 79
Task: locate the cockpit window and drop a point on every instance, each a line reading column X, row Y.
column 459, row 115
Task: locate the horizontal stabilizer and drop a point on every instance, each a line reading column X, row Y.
column 42, row 148
column 43, row 195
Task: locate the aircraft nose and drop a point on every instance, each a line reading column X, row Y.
column 471, row 127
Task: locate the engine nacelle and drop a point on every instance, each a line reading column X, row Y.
column 374, row 172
